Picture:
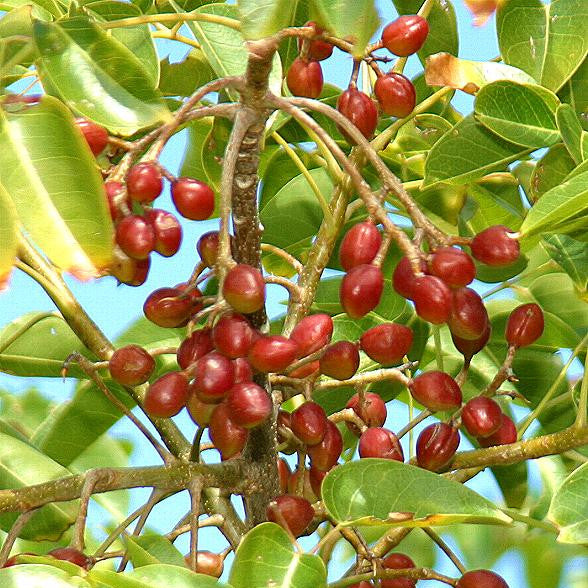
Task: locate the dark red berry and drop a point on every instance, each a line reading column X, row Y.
column 469, row 347
column 481, row 416
column 207, row 248
column 397, row 561
column 144, row 182
column 359, row 245
column 436, row 446
column 167, row 395
column 525, row 325
column 272, row 354
column 249, row 404
column 387, row 344
column 309, row 423
column 135, row 236
column 454, row 266
column 372, row 411
column 208, row 563
column 403, row 278
column 201, row 412
column 293, row 512
column 380, row 442
column 192, row 198
column 316, row 478
column 362, row 584
column 96, row 136
column 192, row 348
column 360, row 109
column 312, row 333
column 340, row 360
column 305, row 370
column 481, row 579
column 228, row 437
column 405, row 35
column 127, row 270
column 116, row 195
column 396, row 94
column 283, row 474
column 131, row 365
column 469, row 317
column 432, row 299
column 317, row 49
column 71, row 555
column 507, row 433
column 361, row 290
column 214, row 375
column 436, row 391
column 324, row 455
column 167, row 307
column 193, row 294
column 305, row 78
column 233, row 335
column 243, row 371
column 244, row 288
column 167, row 229
column 494, row 247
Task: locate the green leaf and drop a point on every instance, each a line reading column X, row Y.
column 372, row 491
column 519, row 113
column 558, row 208
column 184, row 77
column 552, row 43
column 569, row 508
column 79, row 60
column 8, row 236
column 22, row 465
column 16, row 30
column 263, row 18
column 571, row 131
column 267, row 557
column 55, row 186
column 193, row 162
column 485, row 153
column 38, row 576
column 153, row 549
column 575, row 92
column 356, row 21
column 571, row 255
column 24, row 412
column 156, row 576
column 551, row 170
column 43, row 9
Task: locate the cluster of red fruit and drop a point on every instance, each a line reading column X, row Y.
column 394, row 92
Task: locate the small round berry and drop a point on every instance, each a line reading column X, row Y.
column 200, row 412
column 494, row 247
column 207, row 247
column 144, row 182
column 135, row 236
column 214, row 375
column 432, row 299
column 131, row 365
column 305, row 78
column 436, row 446
column 318, row 49
column 192, row 198
column 525, row 325
column 340, row 360
column 403, row 278
column 372, row 411
column 481, row 416
column 506, row 434
column 127, row 270
column 249, row 404
column 361, row 290
column 469, row 347
column 397, row 561
column 293, row 512
column 309, row 423
column 380, row 442
column 72, row 555
column 233, row 336
column 228, row 437
column 192, row 348
column 481, row 579
column 244, row 288
column 167, row 230
column 167, row 307
column 454, row 266
column 312, row 333
column 167, row 395
column 324, row 455
column 360, row 109
column 115, row 193
column 436, row 390
column 208, row 563
column 273, row 353
column 396, row 94
column 387, row 343
column 96, row 136
column 243, row 370
column 468, row 318
column 405, row 35
column 359, row 245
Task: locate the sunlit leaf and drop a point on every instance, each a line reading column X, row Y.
column 8, row 236
column 151, row 549
column 572, row 256
column 263, row 18
column 571, row 131
column 551, row 170
column 38, row 576
column 158, row 575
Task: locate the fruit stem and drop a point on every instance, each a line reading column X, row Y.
column 445, row 548
column 411, row 573
column 174, row 17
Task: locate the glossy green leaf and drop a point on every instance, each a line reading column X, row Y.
column 193, row 162
column 289, row 47
column 559, row 208
column 552, row 43
column 513, row 483
column 24, row 412
column 575, row 92
column 43, row 9
column 153, row 549
column 378, row 490
column 39, row 576
column 22, row 465
column 55, row 186
column 519, row 113
column 572, row 256
column 184, row 77
column 356, row 21
column 16, row 30
column 569, row 508
column 8, row 236
column 551, row 170
column 79, row 60
column 267, row 557
column 263, row 18
column 485, row 153
column 158, row 575
column 571, row 131
column 109, row 579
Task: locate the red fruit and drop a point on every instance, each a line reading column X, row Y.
column 167, row 307
column 396, row 94
column 380, row 442
column 207, row 247
column 372, row 411
column 115, row 193
column 494, row 247
column 324, row 455
column 316, row 478
column 525, row 325
column 309, row 423
column 360, row 109
column 272, row 354
column 359, row 245
column 469, row 347
column 167, row 230
column 305, row 78
column 403, row 278
column 436, row 391
column 507, row 433
column 299, row 484
column 362, row 584
column 198, row 344
column 454, row 266
column 387, row 344
column 201, row 412
column 243, row 371
column 96, row 136
column 193, row 294
column 436, row 446
column 317, row 49
column 131, row 365
column 481, row 579
column 208, row 563
column 361, row 290
column 228, row 437
column 340, row 360
column 432, row 299
column 144, row 182
column 214, row 375
column 167, row 395
column 405, row 35
column 283, row 474
column 249, row 404
column 305, row 370
column 127, row 270
column 481, row 416
column 244, row 288
column 469, row 317
column 135, row 236
column 293, row 512
column 312, row 333
column 397, row 561
column 233, row 335
column 71, row 555
column 192, row 198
